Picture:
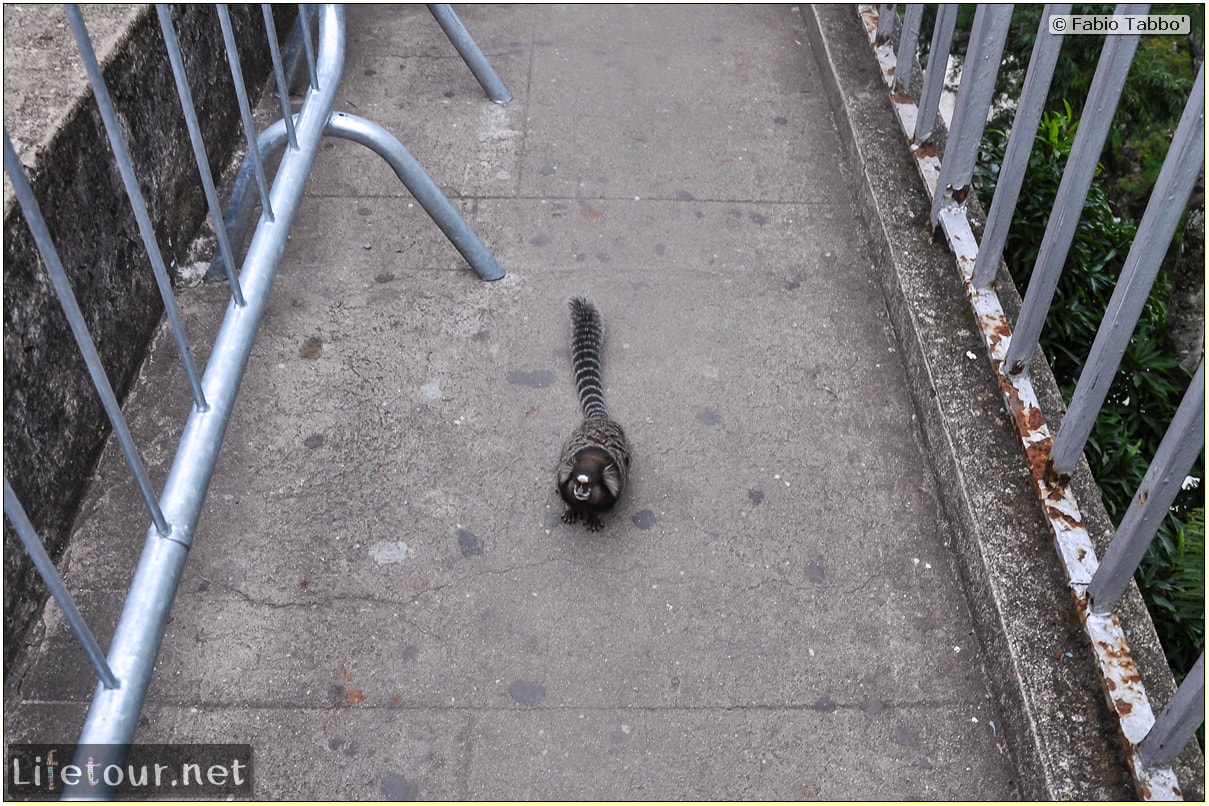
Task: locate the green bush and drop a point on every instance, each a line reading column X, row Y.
column 1152, row 100
column 1146, row 390
column 1174, row 584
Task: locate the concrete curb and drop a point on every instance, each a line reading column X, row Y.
column 1056, row 721
column 55, row 426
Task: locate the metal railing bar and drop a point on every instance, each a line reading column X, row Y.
column 199, row 147
column 885, row 21
column 54, row 582
column 1168, row 199
column 75, row 318
column 113, row 714
column 908, row 41
column 1175, row 455
column 139, row 206
column 294, row 60
column 903, row 104
column 934, row 74
column 304, row 15
column 236, row 225
column 1175, row 726
column 283, row 88
column 974, row 97
column 470, row 52
column 1077, row 174
column 241, row 206
column 245, row 109
column 1020, row 144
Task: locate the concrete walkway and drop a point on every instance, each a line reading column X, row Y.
column 381, row 597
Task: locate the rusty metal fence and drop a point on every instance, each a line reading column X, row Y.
column 318, row 46
column 1097, row 583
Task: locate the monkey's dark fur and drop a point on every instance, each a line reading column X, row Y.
column 595, row 462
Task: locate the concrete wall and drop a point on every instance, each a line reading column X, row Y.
column 54, row 424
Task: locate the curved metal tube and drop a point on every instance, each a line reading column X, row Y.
column 420, row 184
column 417, row 181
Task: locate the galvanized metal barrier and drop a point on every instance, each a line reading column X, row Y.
column 125, row 672
column 1096, row 584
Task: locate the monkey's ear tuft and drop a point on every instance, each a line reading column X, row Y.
column 612, row 480
column 565, row 470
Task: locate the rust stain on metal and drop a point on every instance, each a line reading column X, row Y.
column 1034, row 420
column 925, row 150
column 869, row 16
column 995, row 326
column 1127, row 700
column 965, row 264
column 1057, row 515
column 1056, row 480
column 1037, row 458
column 902, row 98
column 1029, row 425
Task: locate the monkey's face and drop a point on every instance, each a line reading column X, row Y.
column 589, row 480
column 582, row 487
